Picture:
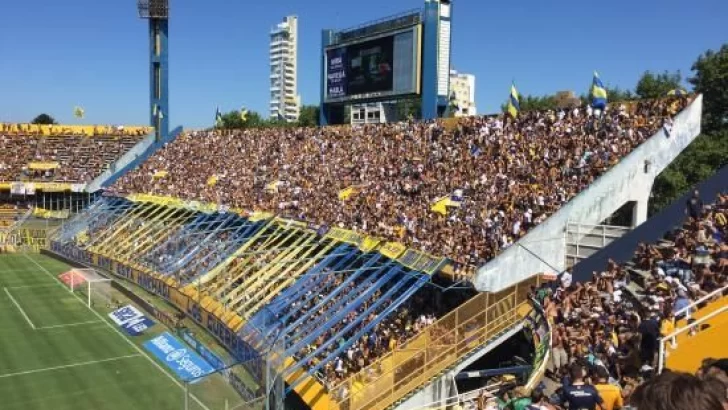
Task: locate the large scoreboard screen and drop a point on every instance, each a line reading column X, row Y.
column 378, row 67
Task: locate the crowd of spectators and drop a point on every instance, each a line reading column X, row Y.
column 509, row 173
column 79, row 158
column 706, row 390
column 9, row 213
column 607, row 331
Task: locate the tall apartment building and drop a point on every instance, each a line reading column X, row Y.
column 462, row 88
column 285, row 102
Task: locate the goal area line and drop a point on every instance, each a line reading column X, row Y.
column 20, row 308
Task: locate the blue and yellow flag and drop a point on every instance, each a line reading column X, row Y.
column 218, row 117
column 598, row 93
column 514, row 105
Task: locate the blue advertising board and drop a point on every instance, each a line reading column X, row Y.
column 185, row 363
column 137, row 326
column 200, row 348
column 131, row 319
column 336, row 73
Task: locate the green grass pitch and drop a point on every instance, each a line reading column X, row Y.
column 56, row 353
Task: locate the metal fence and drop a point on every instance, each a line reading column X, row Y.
column 433, row 351
column 255, row 384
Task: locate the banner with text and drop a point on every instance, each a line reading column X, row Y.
column 185, row 363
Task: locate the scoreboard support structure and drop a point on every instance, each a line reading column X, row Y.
column 157, row 12
column 431, row 61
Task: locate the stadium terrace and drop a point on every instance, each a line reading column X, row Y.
column 499, row 176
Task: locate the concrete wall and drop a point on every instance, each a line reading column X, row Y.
column 135, row 156
column 627, row 181
column 443, row 388
column 654, row 229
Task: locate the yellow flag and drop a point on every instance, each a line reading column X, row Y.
column 440, row 206
column 346, row 193
column 272, row 187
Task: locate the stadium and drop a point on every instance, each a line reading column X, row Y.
column 507, row 261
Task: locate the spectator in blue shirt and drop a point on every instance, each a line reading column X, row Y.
column 681, row 302
column 579, row 395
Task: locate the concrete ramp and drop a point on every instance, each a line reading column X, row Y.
column 131, row 159
column 543, row 249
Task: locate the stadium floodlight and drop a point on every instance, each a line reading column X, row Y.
column 153, row 9
column 90, row 284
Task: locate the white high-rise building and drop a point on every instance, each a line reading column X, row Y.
column 285, row 102
column 462, row 89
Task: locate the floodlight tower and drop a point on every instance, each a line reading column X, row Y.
column 157, row 12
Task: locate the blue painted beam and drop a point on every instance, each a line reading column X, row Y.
column 476, row 374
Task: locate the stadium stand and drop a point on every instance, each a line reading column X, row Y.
column 465, row 193
column 364, row 316
column 609, row 327
column 9, row 214
column 62, row 153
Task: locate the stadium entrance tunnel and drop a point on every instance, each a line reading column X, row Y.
column 515, row 354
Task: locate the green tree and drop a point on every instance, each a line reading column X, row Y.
column 701, row 159
column 709, row 152
column 408, row 108
column 309, row 116
column 534, row 103
column 711, row 79
column 254, row 120
column 232, row 120
column 44, row 119
column 657, row 85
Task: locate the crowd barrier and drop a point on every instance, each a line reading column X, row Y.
column 433, row 351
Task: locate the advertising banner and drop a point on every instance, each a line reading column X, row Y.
column 131, row 319
column 186, row 364
column 17, row 188
column 200, row 348
column 336, row 72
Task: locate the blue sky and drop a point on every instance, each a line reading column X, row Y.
column 55, row 54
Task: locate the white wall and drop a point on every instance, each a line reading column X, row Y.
column 627, row 181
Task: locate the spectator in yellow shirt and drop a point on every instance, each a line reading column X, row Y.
column 667, row 327
column 611, row 394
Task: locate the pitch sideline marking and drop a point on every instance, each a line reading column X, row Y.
column 138, row 349
column 88, row 322
column 31, row 286
column 68, row 366
column 17, row 305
